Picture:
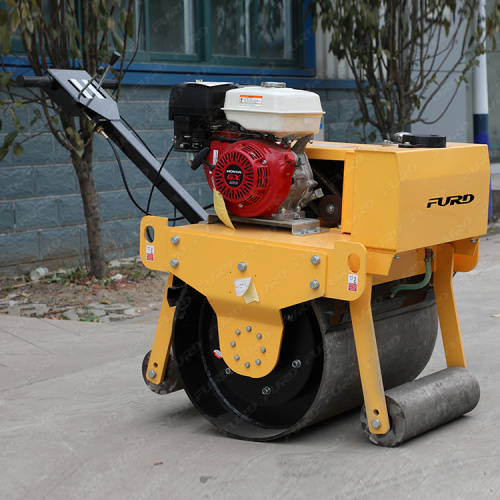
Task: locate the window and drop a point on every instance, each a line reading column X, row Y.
column 223, row 32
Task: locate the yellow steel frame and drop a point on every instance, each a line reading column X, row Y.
column 386, row 226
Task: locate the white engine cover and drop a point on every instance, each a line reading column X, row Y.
column 277, row 111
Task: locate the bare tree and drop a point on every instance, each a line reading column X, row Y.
column 401, row 53
column 63, row 34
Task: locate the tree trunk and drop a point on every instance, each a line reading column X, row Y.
column 85, row 174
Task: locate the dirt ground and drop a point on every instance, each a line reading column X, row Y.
column 138, row 290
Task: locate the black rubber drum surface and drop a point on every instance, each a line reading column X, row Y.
column 317, row 374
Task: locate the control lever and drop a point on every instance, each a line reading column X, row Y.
column 100, row 75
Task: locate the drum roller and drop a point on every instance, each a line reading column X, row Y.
column 311, row 290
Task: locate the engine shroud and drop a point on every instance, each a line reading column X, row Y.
column 254, row 176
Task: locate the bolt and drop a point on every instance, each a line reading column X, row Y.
column 233, row 343
column 236, row 357
column 240, row 205
column 397, row 256
column 330, row 209
column 228, row 371
column 315, row 259
column 242, row 266
column 289, row 317
column 296, row 363
column 314, row 284
column 264, row 162
column 174, row 262
column 376, row 423
column 237, row 332
column 266, row 391
column 247, row 365
column 249, row 328
column 473, row 241
column 262, row 349
column 152, row 373
column 259, row 335
column 273, row 215
column 257, row 361
column 175, row 240
column 296, row 216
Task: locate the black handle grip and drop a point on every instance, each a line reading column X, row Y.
column 110, row 83
column 43, row 82
column 114, row 57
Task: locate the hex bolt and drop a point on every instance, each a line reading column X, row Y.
column 259, row 336
column 228, row 371
column 237, row 332
column 296, row 364
column 315, row 259
column 314, row 284
column 266, row 391
column 249, row 328
column 257, row 361
column 175, row 240
column 233, row 343
column 376, row 423
column 174, row 262
column 262, row 349
column 237, row 357
column 152, row 373
column 242, row 266
column 247, row 365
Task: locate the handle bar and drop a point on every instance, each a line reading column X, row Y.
column 47, row 82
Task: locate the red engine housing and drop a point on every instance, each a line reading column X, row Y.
column 254, row 176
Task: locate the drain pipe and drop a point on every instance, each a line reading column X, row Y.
column 425, row 281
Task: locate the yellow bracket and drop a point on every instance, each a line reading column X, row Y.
column 368, row 361
column 446, row 306
column 163, row 340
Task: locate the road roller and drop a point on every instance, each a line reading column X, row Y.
column 318, row 282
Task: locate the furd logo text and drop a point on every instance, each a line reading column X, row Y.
column 451, row 200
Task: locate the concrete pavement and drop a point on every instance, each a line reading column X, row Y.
column 77, row 422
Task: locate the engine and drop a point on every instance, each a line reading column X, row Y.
column 251, row 142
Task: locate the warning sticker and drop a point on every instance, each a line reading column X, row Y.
column 217, row 354
column 150, row 253
column 215, row 157
column 352, row 283
column 241, row 286
column 250, row 100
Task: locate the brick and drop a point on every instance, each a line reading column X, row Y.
column 336, row 132
column 22, row 114
column 19, row 248
column 102, row 150
column 40, row 125
column 134, row 113
column 38, row 150
column 128, row 233
column 36, row 214
column 116, row 205
column 55, row 180
column 135, row 178
column 70, row 209
column 331, row 109
column 138, row 92
column 105, row 176
column 156, row 141
column 7, row 217
column 349, row 110
column 60, row 243
column 61, row 154
column 16, row 182
column 157, row 115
